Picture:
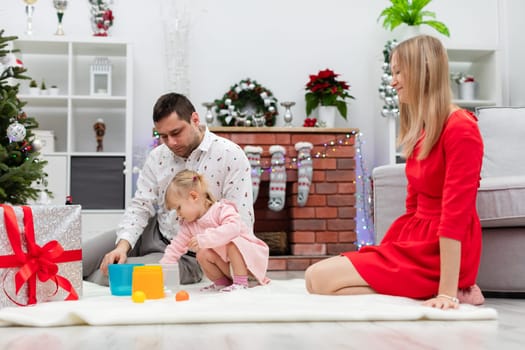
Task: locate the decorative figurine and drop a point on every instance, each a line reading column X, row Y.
column 100, row 131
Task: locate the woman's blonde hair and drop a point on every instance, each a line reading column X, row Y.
column 423, row 62
column 184, row 182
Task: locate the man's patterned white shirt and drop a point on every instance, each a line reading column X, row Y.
column 222, row 162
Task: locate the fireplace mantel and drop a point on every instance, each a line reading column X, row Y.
column 275, row 129
column 325, row 226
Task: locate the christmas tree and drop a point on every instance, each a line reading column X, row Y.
column 21, row 170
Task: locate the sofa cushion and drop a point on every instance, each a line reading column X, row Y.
column 389, row 191
column 501, row 201
column 502, row 132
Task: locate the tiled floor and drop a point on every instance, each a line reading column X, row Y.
column 508, row 332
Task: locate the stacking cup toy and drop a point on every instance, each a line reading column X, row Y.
column 120, row 277
column 149, row 280
column 171, row 277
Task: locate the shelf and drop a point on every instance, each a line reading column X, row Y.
column 111, row 49
column 468, row 55
column 483, row 64
column 98, row 154
column 42, row 47
column 474, row 103
column 44, row 100
column 99, row 180
column 99, row 98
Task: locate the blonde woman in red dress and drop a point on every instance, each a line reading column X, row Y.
column 432, row 252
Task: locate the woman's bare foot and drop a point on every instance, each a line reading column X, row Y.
column 471, row 295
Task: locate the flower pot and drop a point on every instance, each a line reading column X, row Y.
column 467, row 90
column 405, row 32
column 34, row 91
column 327, row 115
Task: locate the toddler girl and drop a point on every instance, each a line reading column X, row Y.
column 215, row 231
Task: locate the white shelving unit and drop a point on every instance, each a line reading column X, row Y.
column 482, row 63
column 99, row 181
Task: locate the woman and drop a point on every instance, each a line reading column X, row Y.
column 431, row 252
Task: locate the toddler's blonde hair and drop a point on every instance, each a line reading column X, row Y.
column 184, row 182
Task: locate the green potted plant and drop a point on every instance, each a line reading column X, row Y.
column 411, row 13
column 43, row 88
column 325, row 90
column 33, row 88
column 53, row 90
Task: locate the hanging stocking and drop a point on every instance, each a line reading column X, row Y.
column 254, row 157
column 277, row 178
column 304, row 166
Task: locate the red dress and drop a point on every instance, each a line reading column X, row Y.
column 441, row 201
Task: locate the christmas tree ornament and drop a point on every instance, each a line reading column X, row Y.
column 254, row 157
column 16, row 132
column 277, row 178
column 10, row 60
column 386, row 92
column 305, row 171
column 37, row 145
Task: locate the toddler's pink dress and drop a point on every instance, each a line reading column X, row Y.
column 220, row 225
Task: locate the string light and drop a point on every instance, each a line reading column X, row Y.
column 364, row 224
column 329, row 147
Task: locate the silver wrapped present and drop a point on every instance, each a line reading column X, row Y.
column 40, row 254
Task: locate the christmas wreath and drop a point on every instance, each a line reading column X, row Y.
column 247, row 104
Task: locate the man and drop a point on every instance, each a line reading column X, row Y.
column 147, row 226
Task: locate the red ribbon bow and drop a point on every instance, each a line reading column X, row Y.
column 38, row 261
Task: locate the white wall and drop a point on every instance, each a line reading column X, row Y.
column 276, row 42
column 516, row 52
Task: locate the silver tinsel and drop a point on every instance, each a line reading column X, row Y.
column 386, row 92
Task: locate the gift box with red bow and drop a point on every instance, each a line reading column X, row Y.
column 40, row 254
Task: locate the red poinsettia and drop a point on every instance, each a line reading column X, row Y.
column 310, row 122
column 324, row 89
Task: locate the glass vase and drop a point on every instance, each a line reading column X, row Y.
column 287, row 117
column 209, row 113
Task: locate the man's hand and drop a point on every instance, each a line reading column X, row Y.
column 117, row 255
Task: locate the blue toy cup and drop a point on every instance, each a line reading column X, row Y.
column 120, row 278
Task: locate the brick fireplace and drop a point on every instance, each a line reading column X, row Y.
column 325, row 226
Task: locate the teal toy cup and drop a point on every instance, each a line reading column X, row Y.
column 120, row 278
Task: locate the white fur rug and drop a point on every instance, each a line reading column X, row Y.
column 279, row 301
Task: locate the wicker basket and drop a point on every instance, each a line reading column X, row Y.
column 277, row 241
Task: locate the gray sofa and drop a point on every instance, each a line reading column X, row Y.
column 500, row 202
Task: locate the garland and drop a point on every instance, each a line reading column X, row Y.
column 247, row 103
